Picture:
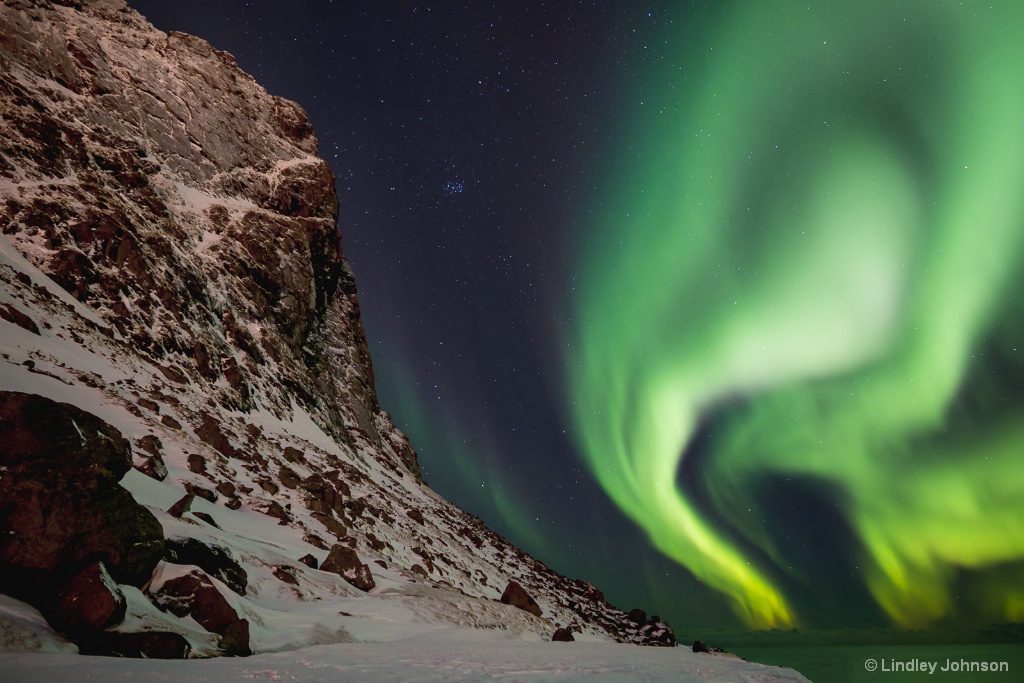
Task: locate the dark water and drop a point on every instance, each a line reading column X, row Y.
column 846, row 664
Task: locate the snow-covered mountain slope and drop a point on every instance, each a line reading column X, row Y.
column 170, row 264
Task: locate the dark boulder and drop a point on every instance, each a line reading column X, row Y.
column 234, row 641
column 201, row 491
column 206, row 517
column 563, row 635
column 415, row 515
column 699, row 646
column 183, row 505
column 344, row 562
column 309, row 561
column 60, row 519
column 88, row 603
column 288, row 478
column 637, row 616
column 152, row 466
column 517, row 596
column 286, row 575
column 212, row 559
column 331, row 524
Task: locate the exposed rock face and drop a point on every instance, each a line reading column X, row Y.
column 59, row 519
column 154, row 168
column 517, row 596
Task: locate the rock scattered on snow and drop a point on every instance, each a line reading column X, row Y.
column 344, row 562
column 517, row 596
column 562, row 635
column 87, row 604
column 212, row 559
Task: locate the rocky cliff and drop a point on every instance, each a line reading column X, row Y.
column 173, row 297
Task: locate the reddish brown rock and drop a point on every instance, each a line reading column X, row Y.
column 285, row 574
column 334, row 526
column 288, row 478
column 272, row 508
column 88, row 603
column 234, row 641
column 415, row 515
column 196, row 463
column 13, row 315
column 153, row 465
column 344, row 562
column 517, row 596
column 562, row 635
column 183, row 505
column 201, row 491
column 212, row 433
column 195, row 595
column 169, row 421
column 56, row 520
column 206, row 517
column 212, row 559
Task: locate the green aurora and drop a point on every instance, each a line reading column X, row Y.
column 807, row 266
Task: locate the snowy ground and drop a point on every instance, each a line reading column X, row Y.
column 443, row 655
column 388, row 646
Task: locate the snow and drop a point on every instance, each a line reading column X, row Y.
column 441, row 655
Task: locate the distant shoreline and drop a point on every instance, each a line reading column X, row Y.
column 729, row 638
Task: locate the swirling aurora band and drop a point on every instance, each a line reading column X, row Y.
column 813, row 249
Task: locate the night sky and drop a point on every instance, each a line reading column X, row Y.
column 714, row 304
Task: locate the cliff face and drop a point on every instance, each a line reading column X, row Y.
column 162, row 187
column 170, row 263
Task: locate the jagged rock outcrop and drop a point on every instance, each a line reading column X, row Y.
column 170, row 264
column 157, row 170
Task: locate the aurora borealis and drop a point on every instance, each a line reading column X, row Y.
column 712, row 303
column 810, row 269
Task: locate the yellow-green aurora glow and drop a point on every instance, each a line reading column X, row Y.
column 810, row 256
